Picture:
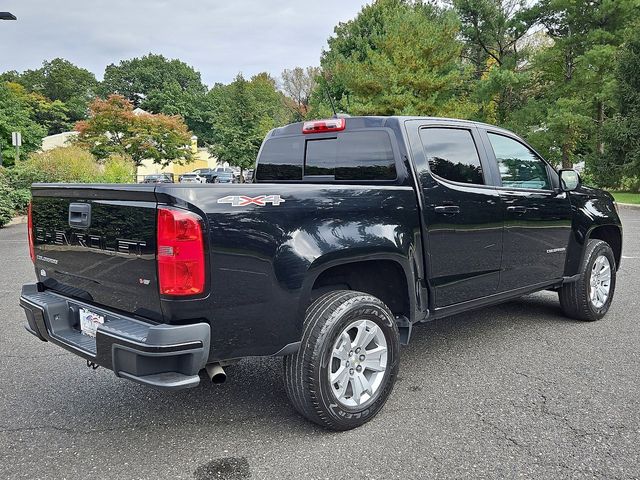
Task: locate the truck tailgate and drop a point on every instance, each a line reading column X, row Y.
column 98, row 243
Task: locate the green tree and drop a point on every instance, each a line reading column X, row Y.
column 113, row 128
column 496, row 44
column 17, row 115
column 399, row 57
column 62, row 81
column 53, row 115
column 622, row 131
column 242, row 114
column 575, row 74
column 493, row 31
column 159, row 85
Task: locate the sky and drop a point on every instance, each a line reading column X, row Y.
column 219, row 38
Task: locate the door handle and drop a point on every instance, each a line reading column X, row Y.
column 517, row 209
column 447, row 209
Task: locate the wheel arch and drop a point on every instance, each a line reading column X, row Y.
column 387, row 276
column 612, row 234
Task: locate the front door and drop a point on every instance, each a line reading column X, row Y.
column 537, row 214
column 462, row 215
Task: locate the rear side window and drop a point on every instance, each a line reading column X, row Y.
column 281, row 159
column 452, row 154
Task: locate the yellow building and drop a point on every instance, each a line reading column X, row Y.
column 202, row 159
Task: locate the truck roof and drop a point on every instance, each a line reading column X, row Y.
column 371, row 121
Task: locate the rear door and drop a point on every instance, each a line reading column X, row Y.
column 537, row 214
column 98, row 243
column 462, row 212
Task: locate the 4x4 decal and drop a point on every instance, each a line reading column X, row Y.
column 243, row 200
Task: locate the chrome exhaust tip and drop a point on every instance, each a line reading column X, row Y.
column 216, row 373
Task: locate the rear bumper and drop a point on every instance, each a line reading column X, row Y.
column 163, row 356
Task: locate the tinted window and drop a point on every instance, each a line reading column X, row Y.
column 281, row 159
column 321, row 156
column 519, row 166
column 366, row 155
column 452, row 154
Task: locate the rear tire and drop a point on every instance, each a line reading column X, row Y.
column 590, row 297
column 337, row 325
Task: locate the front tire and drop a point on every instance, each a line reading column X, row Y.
column 347, row 363
column 590, row 297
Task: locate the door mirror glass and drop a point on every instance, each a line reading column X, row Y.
column 569, row 180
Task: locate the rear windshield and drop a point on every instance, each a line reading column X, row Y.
column 364, row 155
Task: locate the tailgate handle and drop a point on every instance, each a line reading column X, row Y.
column 80, row 215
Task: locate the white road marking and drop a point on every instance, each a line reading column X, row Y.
column 623, row 256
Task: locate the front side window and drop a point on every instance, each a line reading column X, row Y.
column 519, row 166
column 452, row 154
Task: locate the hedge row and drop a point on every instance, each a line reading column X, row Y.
column 65, row 164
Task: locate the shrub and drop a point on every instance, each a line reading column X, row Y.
column 118, row 169
column 20, row 198
column 6, row 212
column 23, row 174
column 630, row 184
column 70, row 164
column 6, row 202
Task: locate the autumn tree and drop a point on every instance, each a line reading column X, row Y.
column 298, row 85
column 159, row 85
column 113, row 128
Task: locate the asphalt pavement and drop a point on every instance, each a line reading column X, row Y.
column 512, row 391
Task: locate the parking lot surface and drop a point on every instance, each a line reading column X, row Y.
column 512, row 391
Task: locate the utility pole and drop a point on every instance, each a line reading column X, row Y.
column 9, row 16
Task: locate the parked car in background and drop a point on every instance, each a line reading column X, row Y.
column 192, row 178
column 158, row 178
column 225, row 177
column 208, row 174
column 248, row 176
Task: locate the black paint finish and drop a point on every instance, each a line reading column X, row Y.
column 112, row 261
column 264, row 259
column 458, row 245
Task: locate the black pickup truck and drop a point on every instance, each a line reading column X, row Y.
column 353, row 230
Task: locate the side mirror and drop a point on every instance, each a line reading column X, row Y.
column 569, row 180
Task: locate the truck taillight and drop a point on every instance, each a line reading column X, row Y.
column 32, row 251
column 320, row 126
column 180, row 252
